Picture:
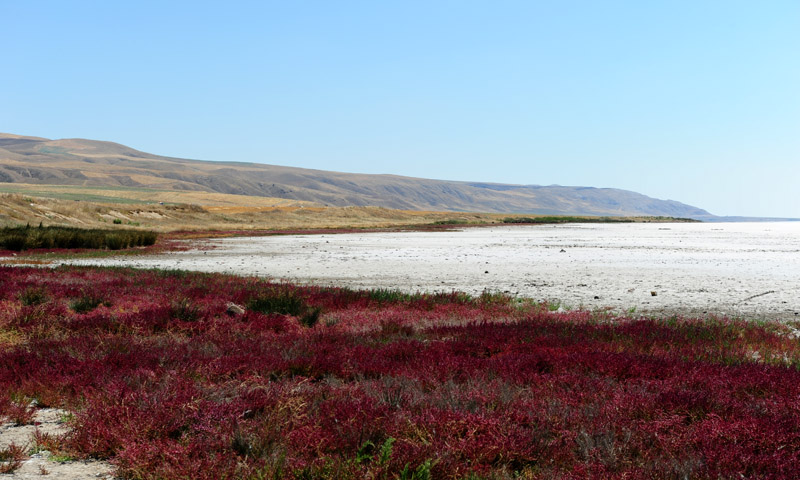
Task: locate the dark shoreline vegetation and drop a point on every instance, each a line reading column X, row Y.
column 435, row 226
column 172, row 374
column 46, row 238
column 568, row 219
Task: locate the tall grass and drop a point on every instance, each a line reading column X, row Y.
column 27, row 238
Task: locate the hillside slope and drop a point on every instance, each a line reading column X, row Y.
column 79, row 162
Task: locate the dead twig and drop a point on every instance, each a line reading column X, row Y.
column 756, row 296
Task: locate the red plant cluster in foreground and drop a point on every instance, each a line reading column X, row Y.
column 166, row 383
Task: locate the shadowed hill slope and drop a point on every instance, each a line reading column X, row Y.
column 79, row 162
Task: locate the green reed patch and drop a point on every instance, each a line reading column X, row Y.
column 27, row 238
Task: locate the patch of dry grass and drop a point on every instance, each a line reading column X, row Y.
column 192, row 211
column 247, row 213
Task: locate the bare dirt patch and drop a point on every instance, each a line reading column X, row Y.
column 42, row 463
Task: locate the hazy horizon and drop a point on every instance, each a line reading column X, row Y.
column 686, row 101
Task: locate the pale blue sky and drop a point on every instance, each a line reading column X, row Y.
column 695, row 101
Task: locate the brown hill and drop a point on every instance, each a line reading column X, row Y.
column 89, row 163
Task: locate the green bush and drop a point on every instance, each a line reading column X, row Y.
column 184, row 310
column 283, row 302
column 33, row 296
column 311, row 317
column 87, row 303
column 15, row 242
column 451, row 222
column 115, row 242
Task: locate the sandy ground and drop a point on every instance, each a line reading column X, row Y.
column 734, row 269
column 42, row 465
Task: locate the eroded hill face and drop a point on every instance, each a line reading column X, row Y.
column 89, row 163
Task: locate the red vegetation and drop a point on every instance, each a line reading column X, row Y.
column 166, row 383
column 422, row 227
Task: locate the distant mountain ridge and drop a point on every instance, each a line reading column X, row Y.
column 97, row 163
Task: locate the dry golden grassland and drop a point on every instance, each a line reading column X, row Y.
column 195, row 211
column 166, row 211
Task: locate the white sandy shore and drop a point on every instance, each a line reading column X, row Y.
column 735, row 269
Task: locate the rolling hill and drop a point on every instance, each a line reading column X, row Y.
column 91, row 163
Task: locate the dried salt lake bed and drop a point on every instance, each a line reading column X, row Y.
column 737, row 269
